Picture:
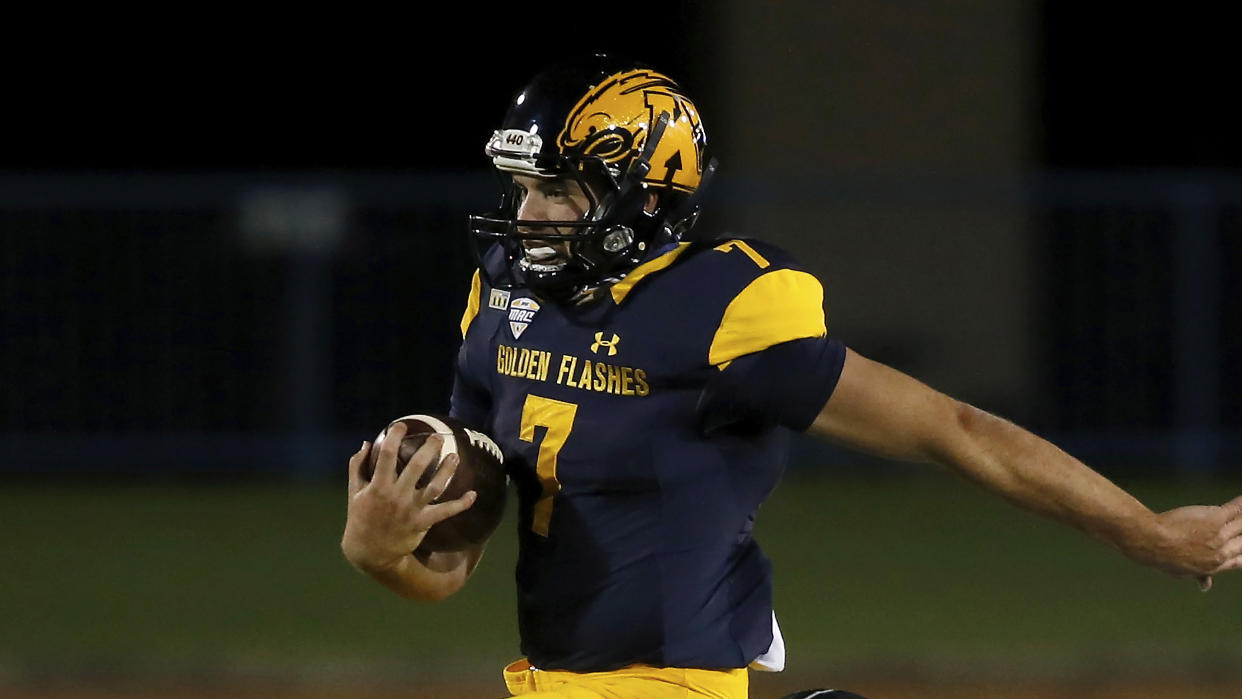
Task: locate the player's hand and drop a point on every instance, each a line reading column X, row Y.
column 388, row 516
column 1201, row 540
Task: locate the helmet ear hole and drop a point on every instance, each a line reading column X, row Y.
column 653, row 202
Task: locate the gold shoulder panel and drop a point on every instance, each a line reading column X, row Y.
column 622, row 288
column 776, row 307
column 472, row 303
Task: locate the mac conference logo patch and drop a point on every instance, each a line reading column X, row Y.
column 521, row 312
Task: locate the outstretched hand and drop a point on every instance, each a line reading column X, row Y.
column 1201, row 540
column 389, row 515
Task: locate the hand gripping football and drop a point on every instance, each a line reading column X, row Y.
column 480, row 468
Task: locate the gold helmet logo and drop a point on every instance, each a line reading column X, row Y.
column 612, row 121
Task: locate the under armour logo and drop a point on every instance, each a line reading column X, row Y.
column 601, row 342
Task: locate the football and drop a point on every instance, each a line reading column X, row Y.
column 480, row 468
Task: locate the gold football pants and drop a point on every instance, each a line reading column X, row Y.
column 627, row 683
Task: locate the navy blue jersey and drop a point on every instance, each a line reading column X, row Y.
column 642, row 432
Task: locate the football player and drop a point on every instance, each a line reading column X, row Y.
column 643, row 378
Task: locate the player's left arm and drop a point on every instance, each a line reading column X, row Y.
column 877, row 409
column 388, row 516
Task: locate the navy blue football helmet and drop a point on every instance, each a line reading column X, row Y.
column 630, row 137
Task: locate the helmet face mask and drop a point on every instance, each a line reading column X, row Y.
column 634, row 144
column 591, row 243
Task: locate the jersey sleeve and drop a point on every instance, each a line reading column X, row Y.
column 786, row 384
column 776, row 363
column 470, row 401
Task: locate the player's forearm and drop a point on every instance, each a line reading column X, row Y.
column 880, row 410
column 427, row 577
column 1037, row 475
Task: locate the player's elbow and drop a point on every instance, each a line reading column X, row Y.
column 978, row 445
column 968, row 420
column 424, row 594
column 440, row 575
column 437, row 590
column 962, row 437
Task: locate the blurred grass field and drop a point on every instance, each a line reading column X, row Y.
column 917, row 579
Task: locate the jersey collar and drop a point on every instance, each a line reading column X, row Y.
column 623, row 288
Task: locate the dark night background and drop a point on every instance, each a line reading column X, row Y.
column 143, row 138
column 1138, row 89
column 233, row 245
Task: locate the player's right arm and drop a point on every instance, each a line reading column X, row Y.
column 388, row 518
column 880, row 410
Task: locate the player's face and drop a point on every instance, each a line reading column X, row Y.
column 549, row 199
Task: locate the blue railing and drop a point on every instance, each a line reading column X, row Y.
column 260, row 323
